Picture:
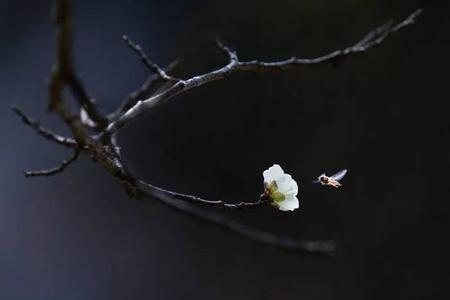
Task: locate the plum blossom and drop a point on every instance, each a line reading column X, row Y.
column 280, row 188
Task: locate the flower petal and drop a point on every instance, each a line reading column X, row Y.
column 273, row 173
column 287, row 185
column 288, row 204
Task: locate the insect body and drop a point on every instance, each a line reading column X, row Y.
column 331, row 180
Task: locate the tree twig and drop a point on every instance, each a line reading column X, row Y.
column 101, row 152
column 103, row 149
column 86, row 102
column 325, row 247
column 49, row 172
column 147, row 62
column 150, row 83
column 59, row 139
column 158, row 192
column 372, row 39
column 63, row 72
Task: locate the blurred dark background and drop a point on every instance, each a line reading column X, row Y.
column 382, row 115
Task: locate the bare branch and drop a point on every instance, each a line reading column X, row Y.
column 62, row 140
column 150, row 83
column 410, row 20
column 103, row 153
column 326, row 247
column 63, row 71
column 147, row 62
column 85, row 101
column 231, row 54
column 49, row 172
column 103, row 148
column 157, row 192
column 372, row 39
column 63, row 64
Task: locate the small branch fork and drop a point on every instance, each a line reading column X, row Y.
column 54, row 137
column 149, row 84
column 49, row 172
column 371, row 40
column 102, row 148
column 147, row 62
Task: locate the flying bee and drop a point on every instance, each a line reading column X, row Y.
column 331, row 180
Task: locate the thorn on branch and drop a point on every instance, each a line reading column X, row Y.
column 65, row 141
column 147, row 62
column 49, row 172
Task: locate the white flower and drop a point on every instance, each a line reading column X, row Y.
column 281, row 188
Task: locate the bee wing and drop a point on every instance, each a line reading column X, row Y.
column 339, row 175
column 315, row 181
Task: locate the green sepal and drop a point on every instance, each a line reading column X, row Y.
column 277, row 197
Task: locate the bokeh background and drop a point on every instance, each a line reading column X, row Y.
column 382, row 115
